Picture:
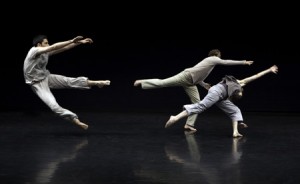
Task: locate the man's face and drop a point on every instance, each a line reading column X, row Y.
column 44, row 43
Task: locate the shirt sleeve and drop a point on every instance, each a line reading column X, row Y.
column 229, row 62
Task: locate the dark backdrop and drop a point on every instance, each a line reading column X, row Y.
column 124, row 61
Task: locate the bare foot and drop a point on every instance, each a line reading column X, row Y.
column 189, row 128
column 79, row 123
column 243, row 125
column 171, row 121
column 84, row 126
column 237, row 135
column 137, row 83
column 100, row 84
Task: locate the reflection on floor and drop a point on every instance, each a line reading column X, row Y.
column 136, row 148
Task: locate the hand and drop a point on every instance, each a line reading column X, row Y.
column 274, row 69
column 249, row 62
column 77, row 39
column 207, row 86
column 86, row 40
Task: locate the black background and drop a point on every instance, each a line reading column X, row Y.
column 125, row 52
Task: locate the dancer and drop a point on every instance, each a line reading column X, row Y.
column 41, row 80
column 190, row 77
column 223, row 95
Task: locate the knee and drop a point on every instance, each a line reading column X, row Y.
column 237, row 110
column 237, row 114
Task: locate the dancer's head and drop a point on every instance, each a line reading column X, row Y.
column 215, row 52
column 236, row 95
column 40, row 41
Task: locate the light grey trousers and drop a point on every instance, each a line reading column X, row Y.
column 182, row 79
column 216, row 95
column 42, row 89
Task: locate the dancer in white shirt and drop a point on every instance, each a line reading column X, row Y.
column 41, row 80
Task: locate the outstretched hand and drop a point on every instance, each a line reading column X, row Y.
column 77, row 39
column 274, row 69
column 86, row 40
column 249, row 62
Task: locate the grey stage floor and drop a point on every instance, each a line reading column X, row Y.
column 136, row 148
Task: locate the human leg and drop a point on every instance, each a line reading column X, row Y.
column 192, row 92
column 211, row 98
column 98, row 83
column 43, row 92
column 180, row 79
column 60, row 82
column 235, row 130
column 234, row 113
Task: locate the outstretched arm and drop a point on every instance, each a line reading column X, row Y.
column 58, row 45
column 273, row 69
column 233, row 62
column 67, row 47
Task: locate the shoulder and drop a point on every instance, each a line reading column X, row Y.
column 35, row 51
column 241, row 82
column 211, row 58
column 32, row 51
column 214, row 58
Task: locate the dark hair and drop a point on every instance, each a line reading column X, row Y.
column 235, row 95
column 38, row 39
column 214, row 52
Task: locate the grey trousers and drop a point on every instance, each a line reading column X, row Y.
column 42, row 89
column 182, row 79
column 216, row 95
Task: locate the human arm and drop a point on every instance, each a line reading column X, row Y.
column 72, row 45
column 57, row 46
column 233, row 62
column 205, row 85
column 273, row 69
